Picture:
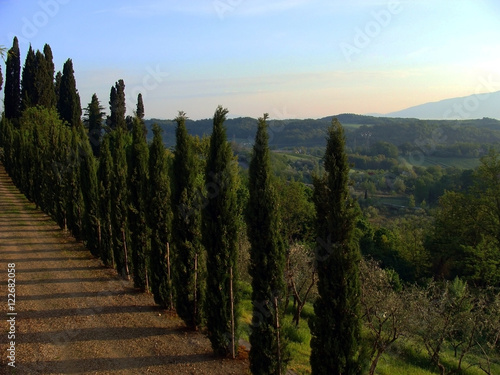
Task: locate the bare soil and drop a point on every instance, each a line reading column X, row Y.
column 75, row 316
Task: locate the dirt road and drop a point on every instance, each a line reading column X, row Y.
column 76, row 317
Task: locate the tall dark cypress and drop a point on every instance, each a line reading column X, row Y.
column 12, row 102
column 186, row 229
column 140, row 107
column 89, row 188
column 111, row 120
column 94, row 116
column 74, row 198
column 45, row 78
column 105, row 185
column 69, row 106
column 116, row 119
column 159, row 218
column 37, row 85
column 220, row 236
column 336, row 343
column 138, row 195
column 119, row 202
column 41, row 82
column 28, row 86
column 7, row 141
column 50, row 68
column 267, row 262
column 2, row 55
column 57, row 86
column 120, row 96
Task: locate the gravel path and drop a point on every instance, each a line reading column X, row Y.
column 76, row 317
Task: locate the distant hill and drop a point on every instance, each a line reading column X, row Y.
column 462, row 108
column 361, row 131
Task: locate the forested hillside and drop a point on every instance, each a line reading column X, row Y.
column 360, row 130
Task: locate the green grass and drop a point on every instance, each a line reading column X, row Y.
column 409, row 358
column 402, row 358
column 299, row 345
column 393, row 364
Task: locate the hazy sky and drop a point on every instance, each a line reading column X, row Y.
column 290, row 58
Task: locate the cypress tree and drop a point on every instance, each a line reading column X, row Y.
column 336, row 342
column 51, row 100
column 116, row 120
column 17, row 170
column 138, row 184
column 119, row 204
column 94, row 116
column 60, row 156
column 28, row 86
column 159, row 218
column 105, row 178
column 74, row 196
column 186, row 229
column 44, row 78
column 12, row 102
column 267, row 258
column 37, row 86
column 111, row 120
column 89, row 188
column 140, row 107
column 57, row 86
column 51, row 181
column 29, row 124
column 2, row 51
column 69, row 105
column 8, row 144
column 40, row 81
column 220, row 236
column 55, row 182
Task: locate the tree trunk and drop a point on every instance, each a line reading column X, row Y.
column 111, row 247
column 195, row 294
column 277, row 314
column 288, row 281
column 169, row 277
column 373, row 366
column 125, row 253
column 296, row 316
column 231, row 296
column 99, row 235
column 301, row 302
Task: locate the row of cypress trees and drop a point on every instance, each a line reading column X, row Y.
column 173, row 222
column 120, row 203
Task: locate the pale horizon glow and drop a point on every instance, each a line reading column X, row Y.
column 289, row 58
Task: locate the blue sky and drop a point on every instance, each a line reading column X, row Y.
column 290, row 58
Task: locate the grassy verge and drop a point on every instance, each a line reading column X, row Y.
column 403, row 358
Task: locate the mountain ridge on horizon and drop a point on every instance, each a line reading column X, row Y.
column 476, row 106
column 469, row 107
